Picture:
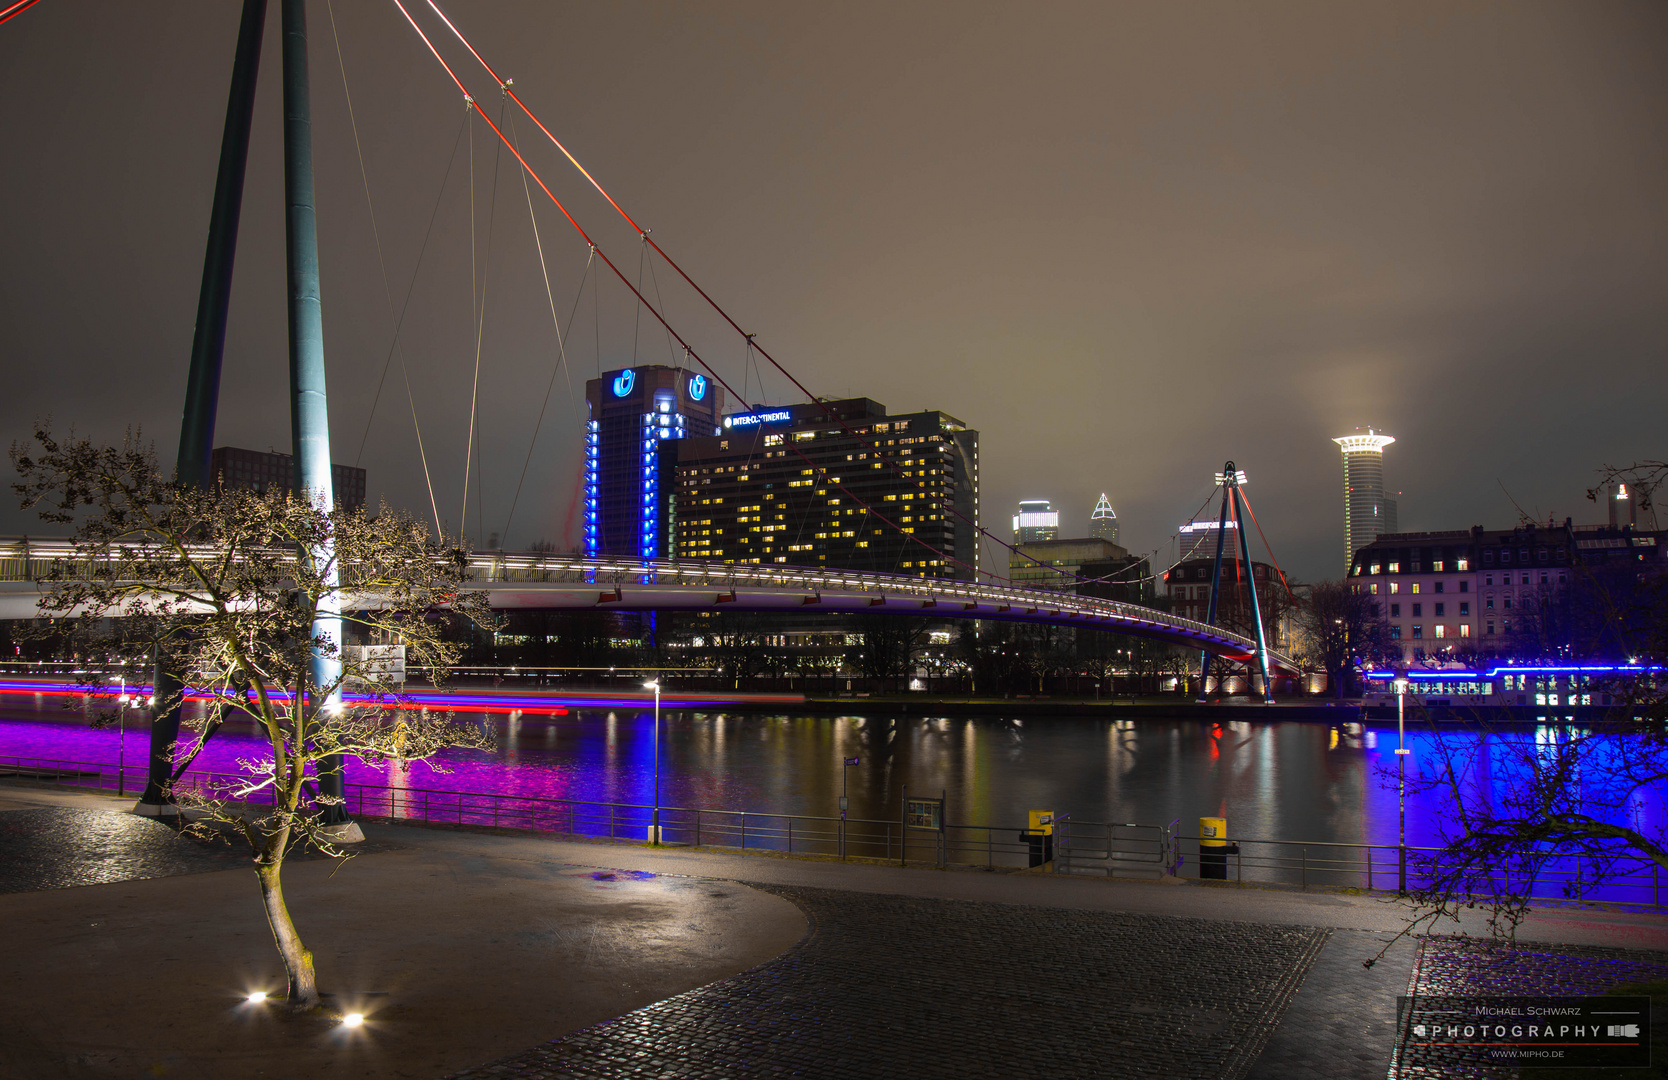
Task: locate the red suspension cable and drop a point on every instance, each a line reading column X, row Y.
column 17, row 9
column 946, row 506
column 624, row 280
column 1283, row 582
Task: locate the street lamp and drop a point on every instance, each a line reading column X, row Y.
column 845, row 763
column 1401, row 782
column 121, row 740
column 654, row 827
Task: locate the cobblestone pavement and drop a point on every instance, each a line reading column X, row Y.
column 1341, row 1025
column 1464, row 967
column 913, row 987
column 60, row 848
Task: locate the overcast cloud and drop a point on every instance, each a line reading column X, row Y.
column 1125, row 242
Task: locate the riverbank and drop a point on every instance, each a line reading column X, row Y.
column 463, row 947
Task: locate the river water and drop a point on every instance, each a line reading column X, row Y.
column 1273, row 780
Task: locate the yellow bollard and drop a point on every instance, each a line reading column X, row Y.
column 1213, row 848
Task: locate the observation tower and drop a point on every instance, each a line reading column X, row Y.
column 1367, row 513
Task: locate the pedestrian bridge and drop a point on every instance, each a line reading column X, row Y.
column 542, row 582
column 535, row 581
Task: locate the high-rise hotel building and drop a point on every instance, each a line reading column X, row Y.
column 793, row 484
column 634, row 414
column 1367, row 513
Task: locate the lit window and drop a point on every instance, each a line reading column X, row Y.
column 1395, row 587
column 1415, row 588
column 1395, row 568
column 1465, row 629
column 1441, row 630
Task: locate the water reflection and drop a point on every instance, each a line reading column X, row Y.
column 1274, row 780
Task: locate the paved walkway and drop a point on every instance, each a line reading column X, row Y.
column 905, row 971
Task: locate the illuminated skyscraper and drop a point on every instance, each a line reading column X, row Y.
column 1367, row 513
column 1103, row 523
column 1036, row 520
column 633, row 411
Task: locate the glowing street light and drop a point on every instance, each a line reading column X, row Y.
column 654, row 826
column 353, row 1020
column 845, row 763
column 1401, row 781
column 257, row 997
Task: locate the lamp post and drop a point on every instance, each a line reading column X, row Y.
column 1401, row 782
column 845, row 763
column 121, row 740
column 654, row 826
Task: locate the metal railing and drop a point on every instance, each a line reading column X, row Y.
column 24, row 560
column 1081, row 848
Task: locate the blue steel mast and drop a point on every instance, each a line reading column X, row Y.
column 208, row 345
column 309, row 412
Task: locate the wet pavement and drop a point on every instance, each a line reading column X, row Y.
column 66, row 847
column 910, row 986
column 909, row 972
column 1467, row 967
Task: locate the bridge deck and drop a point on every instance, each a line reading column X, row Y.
column 538, row 581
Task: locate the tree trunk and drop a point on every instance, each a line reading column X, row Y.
column 298, row 960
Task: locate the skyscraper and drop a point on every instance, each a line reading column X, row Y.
column 1036, row 520
column 804, row 485
column 1367, row 513
column 632, row 412
column 1103, row 523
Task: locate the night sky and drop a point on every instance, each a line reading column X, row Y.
column 1123, row 241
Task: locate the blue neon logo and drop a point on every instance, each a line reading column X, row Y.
column 697, row 387
column 623, row 382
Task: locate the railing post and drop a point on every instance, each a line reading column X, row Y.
column 1305, row 872
column 1401, row 869
column 1369, row 869
column 744, row 832
column 790, row 836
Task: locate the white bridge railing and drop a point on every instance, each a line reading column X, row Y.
column 24, row 560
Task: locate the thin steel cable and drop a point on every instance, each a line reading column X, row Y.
column 946, row 506
column 561, row 348
column 869, row 510
column 480, row 325
column 637, row 311
column 382, row 265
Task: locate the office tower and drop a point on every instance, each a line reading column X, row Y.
column 233, row 467
column 633, row 414
column 1367, row 514
column 1103, row 523
column 795, row 484
column 1036, row 520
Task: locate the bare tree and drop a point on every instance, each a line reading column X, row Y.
column 229, row 585
column 1343, row 627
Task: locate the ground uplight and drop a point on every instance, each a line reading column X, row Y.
column 257, row 997
column 353, row 1019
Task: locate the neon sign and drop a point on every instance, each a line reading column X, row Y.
column 774, row 416
column 697, row 387
column 623, row 382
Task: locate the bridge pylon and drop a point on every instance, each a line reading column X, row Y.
column 1233, row 506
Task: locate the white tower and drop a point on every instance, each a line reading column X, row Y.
column 1367, row 514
